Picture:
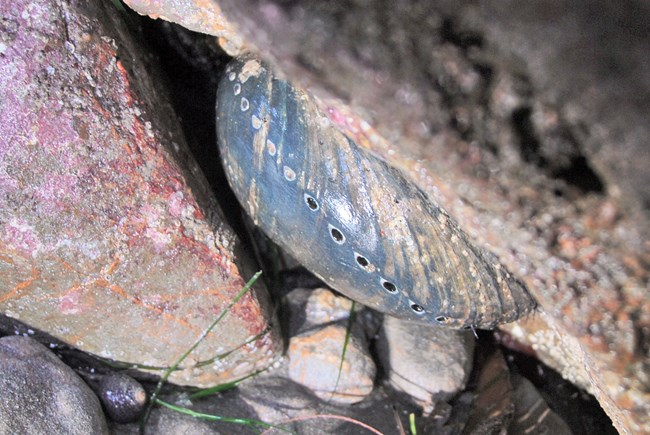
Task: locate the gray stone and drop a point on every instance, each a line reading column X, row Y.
column 169, row 422
column 492, row 406
column 274, row 399
column 281, row 401
column 163, row 421
column 425, row 362
column 41, row 395
column 123, row 397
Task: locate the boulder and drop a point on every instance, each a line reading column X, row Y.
column 110, row 239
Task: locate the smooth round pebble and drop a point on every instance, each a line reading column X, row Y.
column 123, row 397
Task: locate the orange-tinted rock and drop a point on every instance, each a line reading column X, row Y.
column 312, row 308
column 315, row 362
column 200, row 16
column 109, row 237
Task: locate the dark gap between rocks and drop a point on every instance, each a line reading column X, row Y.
column 464, row 39
column 579, row 409
column 576, row 173
column 192, row 64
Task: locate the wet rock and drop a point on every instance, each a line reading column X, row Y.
column 275, row 399
column 272, row 398
column 169, row 422
column 571, row 402
column 123, row 397
column 427, row 363
column 557, row 350
column 42, row 395
column 323, row 306
column 493, row 406
column 315, row 362
column 111, row 239
column 165, row 421
column 280, row 400
column 513, row 138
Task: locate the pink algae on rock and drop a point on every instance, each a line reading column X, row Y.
column 109, row 237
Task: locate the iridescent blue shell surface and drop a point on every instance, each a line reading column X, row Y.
column 348, row 216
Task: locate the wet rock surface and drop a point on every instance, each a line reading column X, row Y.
column 272, row 396
column 167, row 422
column 309, row 308
column 425, row 362
column 318, row 326
column 40, row 394
column 532, row 414
column 110, row 238
column 519, row 142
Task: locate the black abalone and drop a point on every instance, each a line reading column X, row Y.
column 348, row 216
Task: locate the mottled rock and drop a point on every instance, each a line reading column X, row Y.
column 123, row 397
column 323, row 306
column 42, row 395
column 272, row 398
column 315, row 362
column 426, row 362
column 109, row 237
column 557, row 350
column 280, row 400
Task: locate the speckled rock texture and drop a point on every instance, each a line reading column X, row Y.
column 277, row 400
column 123, row 398
column 109, row 237
column 527, row 122
column 40, row 394
column 201, row 16
column 165, row 421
